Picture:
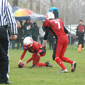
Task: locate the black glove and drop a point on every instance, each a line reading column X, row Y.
column 43, row 50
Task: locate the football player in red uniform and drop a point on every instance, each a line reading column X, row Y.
column 56, row 27
column 37, row 50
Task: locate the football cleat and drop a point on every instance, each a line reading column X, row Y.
column 63, row 71
column 82, row 48
column 33, row 66
column 73, row 65
column 48, row 64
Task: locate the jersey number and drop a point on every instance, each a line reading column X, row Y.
column 58, row 24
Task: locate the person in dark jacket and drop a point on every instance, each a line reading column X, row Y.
column 51, row 39
column 19, row 36
column 28, row 26
column 22, row 37
column 35, row 31
column 80, row 33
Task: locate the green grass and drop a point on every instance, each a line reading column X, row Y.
column 44, row 75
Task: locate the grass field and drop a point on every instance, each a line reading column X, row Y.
column 44, row 75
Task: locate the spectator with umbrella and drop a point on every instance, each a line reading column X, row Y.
column 18, row 40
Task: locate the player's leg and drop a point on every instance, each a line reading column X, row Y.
column 34, row 56
column 47, row 64
column 41, row 64
column 58, row 48
column 65, row 59
column 30, row 59
column 36, row 59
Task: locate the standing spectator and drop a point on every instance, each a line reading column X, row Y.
column 51, row 39
column 41, row 33
column 22, row 33
column 28, row 28
column 35, row 32
column 80, row 33
column 19, row 36
column 6, row 18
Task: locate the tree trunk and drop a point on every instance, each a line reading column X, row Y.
column 38, row 6
column 31, row 4
column 51, row 2
column 15, row 2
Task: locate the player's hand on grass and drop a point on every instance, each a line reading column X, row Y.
column 19, row 62
column 24, row 64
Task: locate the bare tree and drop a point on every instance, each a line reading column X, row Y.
column 38, row 6
column 15, row 2
column 69, row 10
column 51, row 2
column 31, row 3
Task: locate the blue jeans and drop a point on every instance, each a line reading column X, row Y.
column 18, row 44
column 41, row 39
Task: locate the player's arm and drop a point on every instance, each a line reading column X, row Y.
column 65, row 30
column 46, row 26
column 27, row 62
column 22, row 56
column 45, row 36
column 29, row 59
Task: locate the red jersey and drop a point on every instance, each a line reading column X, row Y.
column 81, row 28
column 56, row 27
column 35, row 48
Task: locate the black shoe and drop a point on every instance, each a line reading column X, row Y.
column 7, row 82
column 48, row 64
column 33, row 66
